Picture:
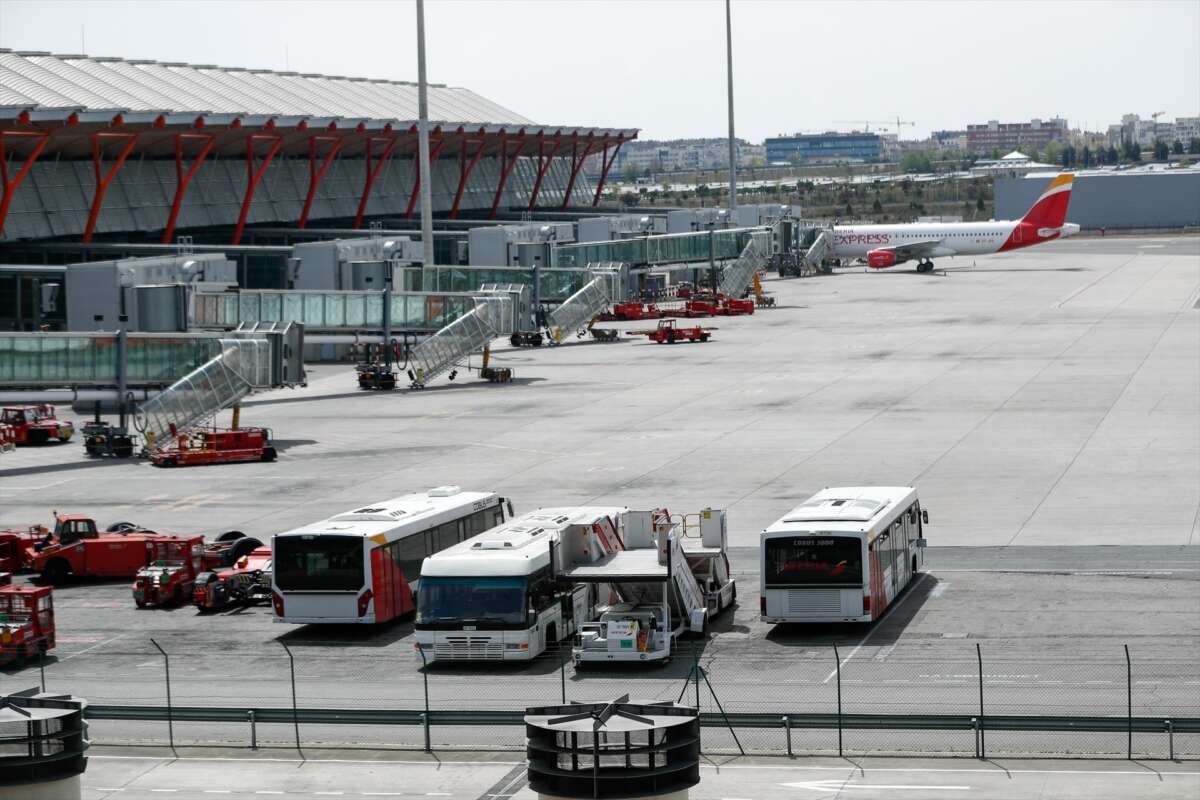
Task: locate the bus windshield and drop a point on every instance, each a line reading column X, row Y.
column 484, row 602
column 319, row 563
column 813, row 561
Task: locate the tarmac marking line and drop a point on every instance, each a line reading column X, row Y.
column 878, row 624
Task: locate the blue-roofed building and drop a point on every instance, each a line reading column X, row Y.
column 824, row 147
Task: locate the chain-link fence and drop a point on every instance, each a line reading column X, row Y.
column 951, row 698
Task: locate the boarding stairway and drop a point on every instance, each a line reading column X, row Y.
column 737, row 277
column 243, row 365
column 577, row 312
column 687, row 600
column 491, row 317
column 819, row 249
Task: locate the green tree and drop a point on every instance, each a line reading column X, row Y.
column 1112, row 156
column 1177, row 148
column 849, row 210
column 995, row 154
column 1194, row 147
column 916, row 161
column 1053, row 152
column 630, row 172
column 979, row 204
column 877, row 207
column 702, row 190
column 1029, row 150
column 1161, row 151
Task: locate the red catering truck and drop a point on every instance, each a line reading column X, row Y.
column 26, row 621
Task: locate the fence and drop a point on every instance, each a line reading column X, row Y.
column 947, row 698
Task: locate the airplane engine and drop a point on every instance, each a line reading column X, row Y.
column 878, row 259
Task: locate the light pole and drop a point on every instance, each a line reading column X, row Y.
column 423, row 166
column 729, row 80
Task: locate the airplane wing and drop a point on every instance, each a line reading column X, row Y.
column 911, row 250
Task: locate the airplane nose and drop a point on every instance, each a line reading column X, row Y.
column 1069, row 229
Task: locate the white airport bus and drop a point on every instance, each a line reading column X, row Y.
column 359, row 566
column 497, row 597
column 842, row 555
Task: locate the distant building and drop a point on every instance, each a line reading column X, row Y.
column 1013, row 165
column 824, row 147
column 1147, row 131
column 1013, row 135
column 950, row 140
column 676, row 155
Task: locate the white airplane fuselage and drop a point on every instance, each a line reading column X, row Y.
column 954, row 238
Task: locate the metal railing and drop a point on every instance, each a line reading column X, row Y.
column 30, row 360
column 330, row 310
column 930, row 699
column 671, row 248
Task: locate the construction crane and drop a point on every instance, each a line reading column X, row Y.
column 869, row 122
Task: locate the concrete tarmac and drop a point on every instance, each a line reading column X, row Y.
column 118, row 775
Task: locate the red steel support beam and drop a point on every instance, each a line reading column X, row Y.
column 182, row 179
column 254, row 176
column 506, row 167
column 543, row 166
column 105, row 180
column 372, row 174
column 10, row 187
column 608, row 161
column 576, row 165
column 434, row 152
column 464, row 172
column 314, row 174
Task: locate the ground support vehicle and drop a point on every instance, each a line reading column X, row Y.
column 246, row 581
column 101, row 440
column 496, row 596
column 493, row 374
column 8, row 438
column 526, row 339
column 668, row 332
column 13, row 544
column 650, row 595
column 376, row 376
column 26, row 621
column 359, row 566
column 605, row 334
column 174, row 562
column 761, row 298
column 732, row 307
column 77, row 548
column 32, row 425
column 843, row 555
column 622, row 312
column 214, row 447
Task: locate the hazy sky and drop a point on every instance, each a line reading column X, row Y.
column 660, row 64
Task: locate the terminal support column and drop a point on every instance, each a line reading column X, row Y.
column 372, row 174
column 607, row 162
column 10, row 186
column 576, row 165
column 254, row 176
column 182, row 179
column 465, row 170
column 506, row 167
column 433, row 157
column 543, row 165
column 105, row 180
column 315, row 174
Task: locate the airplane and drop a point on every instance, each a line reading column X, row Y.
column 888, row 245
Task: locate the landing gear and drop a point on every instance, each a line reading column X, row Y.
column 925, row 265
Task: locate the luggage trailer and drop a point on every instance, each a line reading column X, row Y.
column 649, row 595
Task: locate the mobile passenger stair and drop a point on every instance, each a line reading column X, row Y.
column 261, row 356
column 815, row 245
column 493, row 316
column 738, row 276
column 579, row 312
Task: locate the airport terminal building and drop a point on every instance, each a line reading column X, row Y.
column 97, row 147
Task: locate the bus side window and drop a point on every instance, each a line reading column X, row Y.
column 411, row 554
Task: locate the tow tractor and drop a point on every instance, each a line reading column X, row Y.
column 171, row 572
column 669, row 332
column 375, row 370
column 36, row 424
column 634, row 310
column 77, row 547
column 26, row 621
column 13, row 544
column 653, row 595
column 246, row 581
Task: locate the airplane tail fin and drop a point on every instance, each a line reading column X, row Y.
column 1050, row 210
